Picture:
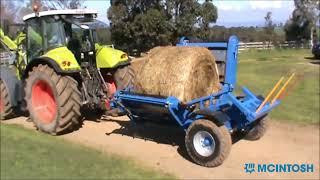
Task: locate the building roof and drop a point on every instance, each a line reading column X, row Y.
column 60, row 12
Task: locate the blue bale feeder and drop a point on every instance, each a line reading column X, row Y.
column 208, row 121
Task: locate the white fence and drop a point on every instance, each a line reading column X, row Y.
column 270, row 45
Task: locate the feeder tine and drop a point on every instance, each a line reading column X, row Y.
column 292, row 85
column 270, row 94
column 283, row 88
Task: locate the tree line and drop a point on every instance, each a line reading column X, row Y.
column 143, row 24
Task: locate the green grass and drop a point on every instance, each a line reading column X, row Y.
column 259, row 70
column 27, row 154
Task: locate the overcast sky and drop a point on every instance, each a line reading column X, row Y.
column 230, row 12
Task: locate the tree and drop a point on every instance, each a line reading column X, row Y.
column 143, row 24
column 11, row 14
column 304, row 17
column 269, row 28
column 13, row 11
column 61, row 4
column 208, row 14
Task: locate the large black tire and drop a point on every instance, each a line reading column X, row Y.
column 65, row 94
column 124, row 77
column 221, row 138
column 6, row 108
column 259, row 130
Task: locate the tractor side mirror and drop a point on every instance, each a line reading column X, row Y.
column 68, row 39
column 24, row 29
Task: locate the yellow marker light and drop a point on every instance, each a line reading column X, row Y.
column 123, row 56
column 36, row 6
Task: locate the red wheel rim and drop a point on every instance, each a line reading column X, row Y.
column 43, row 102
column 1, row 105
column 111, row 84
column 111, row 88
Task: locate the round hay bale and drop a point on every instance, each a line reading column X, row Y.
column 137, row 63
column 184, row 72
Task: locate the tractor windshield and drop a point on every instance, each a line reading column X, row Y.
column 100, row 32
column 54, row 33
column 81, row 34
column 98, row 28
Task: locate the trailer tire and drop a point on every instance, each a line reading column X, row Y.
column 58, row 111
column 6, row 108
column 216, row 151
column 258, row 131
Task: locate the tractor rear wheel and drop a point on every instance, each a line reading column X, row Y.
column 6, row 108
column 124, row 77
column 53, row 100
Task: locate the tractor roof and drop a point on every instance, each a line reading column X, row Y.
column 60, row 12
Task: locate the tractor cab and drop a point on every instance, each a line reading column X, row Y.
column 72, row 33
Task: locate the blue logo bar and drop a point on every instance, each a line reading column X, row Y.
column 278, row 168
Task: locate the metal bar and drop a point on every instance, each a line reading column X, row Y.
column 270, row 94
column 238, row 104
column 184, row 42
column 207, row 97
column 175, row 116
column 103, row 81
column 266, row 110
column 283, row 88
column 248, row 93
column 143, row 99
column 207, row 45
column 231, row 61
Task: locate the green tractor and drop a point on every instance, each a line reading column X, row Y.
column 59, row 67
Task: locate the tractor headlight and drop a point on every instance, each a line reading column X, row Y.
column 124, row 56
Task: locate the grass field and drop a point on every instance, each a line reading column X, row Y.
column 27, row 154
column 260, row 70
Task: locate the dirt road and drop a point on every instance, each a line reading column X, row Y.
column 283, row 143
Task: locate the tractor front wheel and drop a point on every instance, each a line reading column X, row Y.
column 53, row 100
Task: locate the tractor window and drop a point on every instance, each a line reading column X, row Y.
column 34, row 39
column 54, row 33
column 83, row 37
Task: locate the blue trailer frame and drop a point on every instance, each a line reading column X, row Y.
column 209, row 122
column 223, row 107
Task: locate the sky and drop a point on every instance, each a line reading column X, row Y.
column 230, row 12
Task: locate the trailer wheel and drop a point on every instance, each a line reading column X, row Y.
column 53, row 100
column 258, row 131
column 207, row 144
column 6, row 108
